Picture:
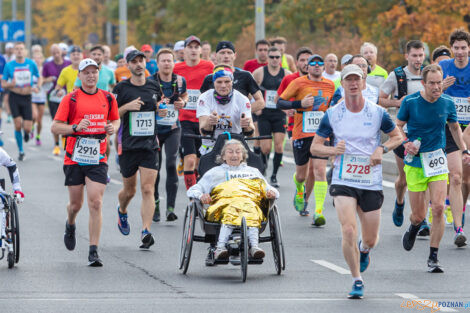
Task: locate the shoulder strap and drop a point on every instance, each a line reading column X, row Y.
column 109, row 98
column 72, row 105
column 402, row 84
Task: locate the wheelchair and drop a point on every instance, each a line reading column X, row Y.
column 238, row 242
column 9, row 228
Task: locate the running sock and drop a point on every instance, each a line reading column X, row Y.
column 299, row 186
column 433, row 253
column 415, row 228
column 19, row 140
column 276, row 162
column 458, row 230
column 257, row 150
column 93, row 248
column 356, row 279
column 363, row 248
column 264, row 158
column 319, row 190
column 189, row 179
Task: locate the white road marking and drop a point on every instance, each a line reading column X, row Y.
column 115, row 181
column 410, row 296
column 333, row 267
column 388, row 184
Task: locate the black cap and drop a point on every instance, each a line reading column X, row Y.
column 225, row 45
column 133, row 54
column 75, row 49
column 190, row 39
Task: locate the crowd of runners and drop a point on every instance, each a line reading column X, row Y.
column 343, row 113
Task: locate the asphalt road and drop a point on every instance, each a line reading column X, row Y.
column 50, row 278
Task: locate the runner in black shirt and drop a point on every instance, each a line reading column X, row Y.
column 138, row 99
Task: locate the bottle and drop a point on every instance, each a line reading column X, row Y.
column 161, row 107
column 409, row 157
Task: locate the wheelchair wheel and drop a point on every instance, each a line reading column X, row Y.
column 276, row 241
column 188, row 234
column 244, row 249
column 16, row 230
column 11, row 259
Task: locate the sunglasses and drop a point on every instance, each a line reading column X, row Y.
column 313, row 63
column 274, row 56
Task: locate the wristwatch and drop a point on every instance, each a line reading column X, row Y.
column 466, row 152
column 74, row 128
column 385, row 148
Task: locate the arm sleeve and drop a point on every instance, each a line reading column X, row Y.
column 287, row 105
column 387, row 124
column 390, row 84
column 325, row 130
column 206, row 84
column 403, row 114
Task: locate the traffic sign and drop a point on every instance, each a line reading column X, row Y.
column 12, row 31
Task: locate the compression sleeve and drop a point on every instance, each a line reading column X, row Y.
column 287, row 105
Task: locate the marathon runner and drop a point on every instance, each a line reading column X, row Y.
column 262, row 47
column 18, row 79
column 378, row 74
column 86, row 116
column 138, row 100
column 173, row 88
column 331, row 63
column 312, row 95
column 457, row 78
column 287, row 61
column 206, row 51
column 106, row 80
column 151, row 64
column 272, row 120
column 357, row 178
column 38, row 99
column 426, row 114
column 439, row 54
column 194, row 70
column 107, row 59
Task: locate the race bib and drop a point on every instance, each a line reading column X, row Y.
column 462, row 106
column 53, row 97
column 193, row 96
column 434, row 163
column 311, row 121
column 142, row 123
column 22, row 78
column 270, row 96
column 86, row 151
column 356, row 169
column 170, row 118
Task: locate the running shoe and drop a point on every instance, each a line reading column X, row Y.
column 357, row 291
column 180, row 168
column 424, row 229
column 459, row 239
column 21, row 156
column 123, row 224
column 170, row 214
column 69, row 236
column 434, row 266
column 318, row 219
column 274, row 182
column 398, row 213
column 156, row 213
column 364, row 259
column 304, row 212
column 38, row 141
column 409, row 238
column 26, row 136
column 299, row 200
column 56, row 150
column 257, row 252
column 147, row 239
column 448, row 215
column 94, row 259
column 220, row 253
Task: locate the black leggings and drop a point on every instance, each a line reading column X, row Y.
column 170, row 142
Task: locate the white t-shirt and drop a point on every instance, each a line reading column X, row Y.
column 333, row 77
column 229, row 114
column 390, row 86
column 111, row 65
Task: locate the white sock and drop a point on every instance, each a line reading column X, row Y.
column 356, row 278
column 253, row 236
column 363, row 248
column 225, row 232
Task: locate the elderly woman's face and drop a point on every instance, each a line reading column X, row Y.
column 233, row 155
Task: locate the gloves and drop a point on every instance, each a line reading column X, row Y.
column 19, row 195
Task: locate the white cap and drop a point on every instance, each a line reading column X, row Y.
column 9, row 45
column 351, row 69
column 179, row 45
column 85, row 63
column 345, row 59
column 63, row 46
column 127, row 50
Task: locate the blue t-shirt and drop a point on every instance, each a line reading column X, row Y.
column 105, row 80
column 23, row 73
column 427, row 121
column 3, row 62
column 152, row 66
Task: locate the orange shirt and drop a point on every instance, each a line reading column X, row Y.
column 299, row 89
column 94, row 107
column 123, row 73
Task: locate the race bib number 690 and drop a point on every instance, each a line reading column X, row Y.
column 434, row 163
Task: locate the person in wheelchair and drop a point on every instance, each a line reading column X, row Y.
column 234, row 190
column 223, row 109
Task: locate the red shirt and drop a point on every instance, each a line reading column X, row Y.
column 93, row 107
column 194, row 76
column 284, row 83
column 252, row 65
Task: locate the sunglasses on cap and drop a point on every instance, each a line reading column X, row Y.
column 274, row 56
column 319, row 63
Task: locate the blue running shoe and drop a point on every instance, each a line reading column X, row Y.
column 357, row 291
column 123, row 225
column 364, row 259
column 398, row 213
column 424, row 230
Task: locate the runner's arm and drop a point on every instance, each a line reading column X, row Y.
column 385, row 102
column 400, row 125
column 258, row 104
column 61, row 128
column 258, row 75
column 324, row 131
column 204, row 124
column 457, row 135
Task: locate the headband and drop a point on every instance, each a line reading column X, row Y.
column 222, row 72
column 440, row 53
